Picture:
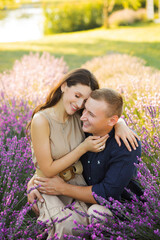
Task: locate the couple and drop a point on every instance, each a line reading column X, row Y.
column 58, row 142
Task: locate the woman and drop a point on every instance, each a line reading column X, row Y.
column 57, row 143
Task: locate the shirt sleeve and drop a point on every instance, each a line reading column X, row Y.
column 120, row 172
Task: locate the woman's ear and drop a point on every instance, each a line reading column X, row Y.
column 63, row 87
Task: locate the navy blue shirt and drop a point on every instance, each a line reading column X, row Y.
column 110, row 170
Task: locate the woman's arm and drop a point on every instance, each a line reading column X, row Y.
column 40, row 132
column 126, row 134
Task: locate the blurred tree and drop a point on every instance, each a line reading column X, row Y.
column 108, row 6
column 107, row 9
column 4, row 4
column 150, row 9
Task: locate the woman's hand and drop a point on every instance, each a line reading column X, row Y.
column 32, row 195
column 50, row 186
column 126, row 134
column 95, row 143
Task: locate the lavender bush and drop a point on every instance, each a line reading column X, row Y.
column 32, row 77
column 20, row 90
column 14, row 117
column 24, row 87
column 16, row 219
column 16, row 168
column 138, row 219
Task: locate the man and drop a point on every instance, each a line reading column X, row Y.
column 108, row 172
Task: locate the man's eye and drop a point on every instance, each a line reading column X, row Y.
column 91, row 114
column 76, row 96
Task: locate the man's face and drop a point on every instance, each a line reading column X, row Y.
column 94, row 117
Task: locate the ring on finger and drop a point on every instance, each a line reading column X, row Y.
column 102, row 147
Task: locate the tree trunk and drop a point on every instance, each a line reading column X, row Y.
column 159, row 9
column 105, row 14
column 150, row 9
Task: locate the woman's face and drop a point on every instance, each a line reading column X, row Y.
column 74, row 97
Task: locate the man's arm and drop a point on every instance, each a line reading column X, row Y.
column 117, row 177
column 56, row 186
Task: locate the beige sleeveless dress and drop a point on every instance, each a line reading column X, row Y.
column 64, row 137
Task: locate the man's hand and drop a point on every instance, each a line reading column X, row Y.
column 50, row 186
column 33, row 195
column 57, row 186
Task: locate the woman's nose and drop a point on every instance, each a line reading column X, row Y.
column 80, row 103
column 84, row 115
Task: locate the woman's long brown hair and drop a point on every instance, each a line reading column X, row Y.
column 77, row 76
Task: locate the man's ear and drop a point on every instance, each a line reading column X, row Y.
column 113, row 120
column 63, row 87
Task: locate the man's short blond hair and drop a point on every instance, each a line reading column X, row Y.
column 113, row 99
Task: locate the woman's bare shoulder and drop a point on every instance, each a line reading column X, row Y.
column 39, row 120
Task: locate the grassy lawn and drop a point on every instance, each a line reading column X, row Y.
column 78, row 47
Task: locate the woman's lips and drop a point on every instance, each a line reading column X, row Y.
column 74, row 108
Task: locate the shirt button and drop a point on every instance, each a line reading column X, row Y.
column 88, row 161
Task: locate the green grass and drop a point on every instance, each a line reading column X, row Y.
column 78, row 47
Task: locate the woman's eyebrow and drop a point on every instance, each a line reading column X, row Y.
column 79, row 93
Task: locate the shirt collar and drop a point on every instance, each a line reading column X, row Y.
column 112, row 132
